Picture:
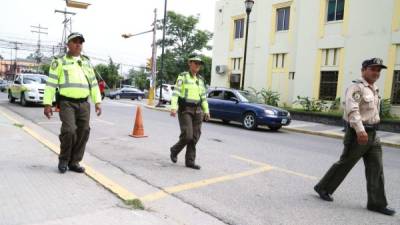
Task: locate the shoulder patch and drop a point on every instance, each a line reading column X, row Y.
column 85, row 57
column 54, row 64
column 180, row 82
column 357, row 96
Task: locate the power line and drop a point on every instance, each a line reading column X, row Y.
column 38, row 30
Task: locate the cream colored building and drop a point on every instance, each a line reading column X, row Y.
column 310, row 48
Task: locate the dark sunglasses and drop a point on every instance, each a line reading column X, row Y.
column 197, row 63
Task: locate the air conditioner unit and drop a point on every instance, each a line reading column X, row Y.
column 221, row 69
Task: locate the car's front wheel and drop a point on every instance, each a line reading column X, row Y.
column 118, row 97
column 11, row 99
column 23, row 100
column 275, row 127
column 249, row 121
column 139, row 98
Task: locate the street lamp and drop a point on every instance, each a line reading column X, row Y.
column 77, row 4
column 249, row 5
column 161, row 75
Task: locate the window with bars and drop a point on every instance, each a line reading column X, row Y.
column 239, row 28
column 335, row 10
column 328, row 85
column 279, row 61
column 396, row 88
column 236, row 63
column 282, row 19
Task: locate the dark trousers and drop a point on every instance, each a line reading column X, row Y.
column 190, row 120
column 352, row 153
column 75, row 130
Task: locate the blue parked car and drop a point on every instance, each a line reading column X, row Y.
column 242, row 106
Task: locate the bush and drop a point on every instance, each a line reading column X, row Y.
column 312, row 105
column 386, row 107
column 268, row 96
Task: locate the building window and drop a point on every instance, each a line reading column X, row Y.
column 396, row 88
column 328, row 86
column 330, row 57
column 235, row 81
column 239, row 28
column 236, row 63
column 279, row 61
column 282, row 18
column 335, row 10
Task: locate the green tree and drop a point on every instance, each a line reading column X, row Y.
column 45, row 68
column 109, row 73
column 139, row 78
column 183, row 39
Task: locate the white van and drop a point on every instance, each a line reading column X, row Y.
column 167, row 91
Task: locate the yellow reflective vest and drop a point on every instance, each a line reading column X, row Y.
column 192, row 89
column 73, row 78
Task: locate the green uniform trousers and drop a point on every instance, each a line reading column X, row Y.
column 352, row 153
column 190, row 120
column 75, row 130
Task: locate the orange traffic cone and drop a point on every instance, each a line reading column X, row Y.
column 138, row 130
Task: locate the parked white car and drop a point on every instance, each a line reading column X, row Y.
column 28, row 88
column 167, row 92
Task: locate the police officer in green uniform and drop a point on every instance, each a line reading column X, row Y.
column 362, row 106
column 76, row 81
column 189, row 101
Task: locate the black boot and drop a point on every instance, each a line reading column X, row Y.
column 323, row 194
column 77, row 168
column 193, row 166
column 62, row 166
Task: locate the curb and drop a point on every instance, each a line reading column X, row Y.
column 157, row 109
column 335, row 135
column 316, row 133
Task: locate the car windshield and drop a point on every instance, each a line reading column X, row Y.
column 34, row 79
column 246, row 96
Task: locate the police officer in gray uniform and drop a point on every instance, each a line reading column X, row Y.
column 362, row 106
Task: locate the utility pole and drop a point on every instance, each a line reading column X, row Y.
column 153, row 62
column 16, row 55
column 38, row 30
column 162, row 54
column 67, row 28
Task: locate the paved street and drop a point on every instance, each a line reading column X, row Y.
column 247, row 177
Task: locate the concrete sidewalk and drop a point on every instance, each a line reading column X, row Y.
column 387, row 138
column 33, row 192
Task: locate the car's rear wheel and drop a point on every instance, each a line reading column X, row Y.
column 11, row 99
column 139, row 98
column 249, row 121
column 275, row 127
column 23, row 100
column 118, row 97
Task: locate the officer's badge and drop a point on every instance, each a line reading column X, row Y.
column 54, row 64
column 180, row 82
column 357, row 96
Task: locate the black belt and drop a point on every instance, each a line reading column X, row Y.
column 367, row 127
column 184, row 103
column 76, row 100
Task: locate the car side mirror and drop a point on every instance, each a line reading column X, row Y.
column 234, row 99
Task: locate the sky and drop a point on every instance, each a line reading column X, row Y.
column 101, row 24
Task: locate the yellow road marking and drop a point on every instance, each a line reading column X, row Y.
column 275, row 168
column 198, row 184
column 107, row 183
